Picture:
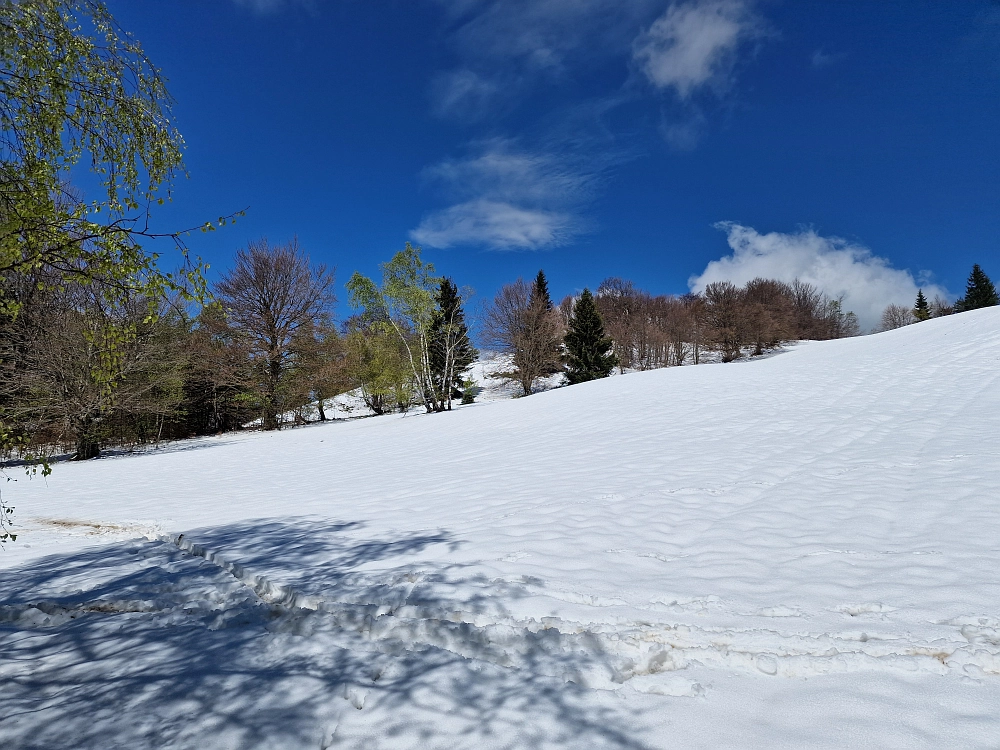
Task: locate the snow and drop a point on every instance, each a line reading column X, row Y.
column 796, row 551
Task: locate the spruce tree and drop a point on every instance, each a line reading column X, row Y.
column 589, row 354
column 449, row 349
column 540, row 291
column 921, row 310
column 979, row 292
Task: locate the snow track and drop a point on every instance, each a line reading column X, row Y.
column 607, row 656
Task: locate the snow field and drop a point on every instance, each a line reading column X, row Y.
column 799, row 551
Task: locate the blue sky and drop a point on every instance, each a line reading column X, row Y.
column 850, row 142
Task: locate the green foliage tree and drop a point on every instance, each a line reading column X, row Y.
column 405, row 301
column 450, row 351
column 921, row 309
column 588, row 351
column 377, row 363
column 979, row 292
column 75, row 87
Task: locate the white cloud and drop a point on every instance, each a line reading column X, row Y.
column 694, row 44
column 496, row 225
column 838, row 267
column 505, row 46
column 506, row 199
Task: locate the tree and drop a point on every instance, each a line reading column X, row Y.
column 319, row 372
column 940, row 307
column 405, row 302
column 896, row 316
column 979, row 292
column 724, row 303
column 768, row 313
column 270, row 295
column 378, row 363
column 617, row 301
column 449, row 349
column 74, row 86
column 589, row 353
column 540, row 291
column 522, row 323
column 921, row 310
column 76, row 368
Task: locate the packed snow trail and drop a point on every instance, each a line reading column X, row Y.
column 795, row 551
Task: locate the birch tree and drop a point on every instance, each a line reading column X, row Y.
column 404, row 303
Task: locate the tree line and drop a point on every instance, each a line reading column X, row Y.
column 623, row 326
column 979, row 292
column 85, row 365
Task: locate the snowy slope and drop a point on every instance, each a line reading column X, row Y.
column 800, row 551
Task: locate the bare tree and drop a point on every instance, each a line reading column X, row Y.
column 79, row 361
column 897, row 316
column 270, row 295
column 522, row 325
column 619, row 303
column 941, row 307
column 727, row 328
column 768, row 313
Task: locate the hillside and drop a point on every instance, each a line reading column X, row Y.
column 798, row 551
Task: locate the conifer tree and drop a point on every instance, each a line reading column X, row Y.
column 589, row 354
column 540, row 291
column 921, row 310
column 979, row 292
column 450, row 351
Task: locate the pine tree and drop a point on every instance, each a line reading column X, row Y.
column 589, row 354
column 979, row 292
column 450, row 351
column 540, row 291
column 921, row 310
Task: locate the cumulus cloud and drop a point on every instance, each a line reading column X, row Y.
column 506, row 199
column 838, row 267
column 694, row 44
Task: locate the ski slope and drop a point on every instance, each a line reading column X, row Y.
column 797, row 551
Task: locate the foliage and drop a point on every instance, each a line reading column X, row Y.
column 588, row 351
column 377, row 362
column 450, row 351
column 921, row 310
column 404, row 301
column 979, row 292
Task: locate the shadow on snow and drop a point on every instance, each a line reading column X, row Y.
column 141, row 644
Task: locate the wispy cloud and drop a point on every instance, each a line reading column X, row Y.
column 495, row 225
column 505, row 47
column 822, row 59
column 694, row 45
column 270, row 6
column 464, row 94
column 838, row 267
column 505, row 198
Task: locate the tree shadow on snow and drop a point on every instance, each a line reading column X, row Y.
column 143, row 644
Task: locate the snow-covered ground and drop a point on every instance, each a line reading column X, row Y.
column 801, row 551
